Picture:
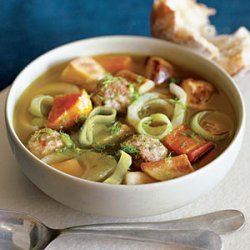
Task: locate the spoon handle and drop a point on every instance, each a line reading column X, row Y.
column 220, row 222
column 183, row 239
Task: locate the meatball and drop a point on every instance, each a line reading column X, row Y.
column 115, row 92
column 144, row 148
column 45, row 141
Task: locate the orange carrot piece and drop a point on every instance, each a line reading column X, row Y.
column 68, row 109
column 168, row 168
column 183, row 141
column 114, row 64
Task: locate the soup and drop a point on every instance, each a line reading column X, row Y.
column 124, row 119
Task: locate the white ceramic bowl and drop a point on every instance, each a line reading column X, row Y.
column 122, row 200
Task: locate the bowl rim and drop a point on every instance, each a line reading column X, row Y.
column 133, row 38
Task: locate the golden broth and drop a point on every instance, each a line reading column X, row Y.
column 23, row 119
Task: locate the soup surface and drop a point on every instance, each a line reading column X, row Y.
column 124, row 119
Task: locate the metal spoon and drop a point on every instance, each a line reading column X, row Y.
column 20, row 231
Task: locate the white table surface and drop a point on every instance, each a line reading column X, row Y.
column 18, row 193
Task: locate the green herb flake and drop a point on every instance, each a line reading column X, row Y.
column 102, row 147
column 139, row 79
column 37, row 135
column 133, row 92
column 115, row 128
column 177, row 102
column 174, row 80
column 169, row 157
column 66, row 140
column 129, row 148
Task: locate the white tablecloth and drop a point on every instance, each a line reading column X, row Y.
column 18, row 193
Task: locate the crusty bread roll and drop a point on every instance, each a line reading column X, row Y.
column 234, row 50
column 187, row 23
column 184, row 22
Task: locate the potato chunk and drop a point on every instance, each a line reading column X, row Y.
column 198, row 92
column 159, row 70
column 85, row 72
column 168, row 168
column 142, row 84
column 115, row 63
column 136, row 178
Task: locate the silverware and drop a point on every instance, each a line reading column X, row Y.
column 20, row 231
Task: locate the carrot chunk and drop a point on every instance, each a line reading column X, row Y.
column 168, row 168
column 114, row 64
column 182, row 140
column 68, row 110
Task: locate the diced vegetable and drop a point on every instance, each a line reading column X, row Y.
column 180, row 104
column 71, row 167
column 123, row 165
column 142, row 84
column 169, row 168
column 212, row 125
column 159, row 70
column 41, row 105
column 199, row 92
column 135, row 178
column 115, row 63
column 182, row 140
column 85, row 72
column 67, row 110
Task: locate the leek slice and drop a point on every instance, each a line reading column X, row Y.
column 40, row 105
column 135, row 107
column 123, row 165
column 212, row 125
column 98, row 120
column 180, row 104
column 146, row 125
column 96, row 166
column 60, row 156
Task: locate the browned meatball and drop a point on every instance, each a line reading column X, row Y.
column 115, row 92
column 144, row 148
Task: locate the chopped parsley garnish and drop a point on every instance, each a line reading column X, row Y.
column 67, row 140
column 102, row 147
column 174, row 79
column 80, row 118
column 37, row 135
column 177, row 102
column 169, row 157
column 129, row 148
column 139, row 79
column 110, row 79
column 133, row 92
column 115, row 128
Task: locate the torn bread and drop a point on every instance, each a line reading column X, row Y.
column 184, row 22
column 234, row 50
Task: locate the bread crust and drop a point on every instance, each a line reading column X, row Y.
column 172, row 20
column 166, row 24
